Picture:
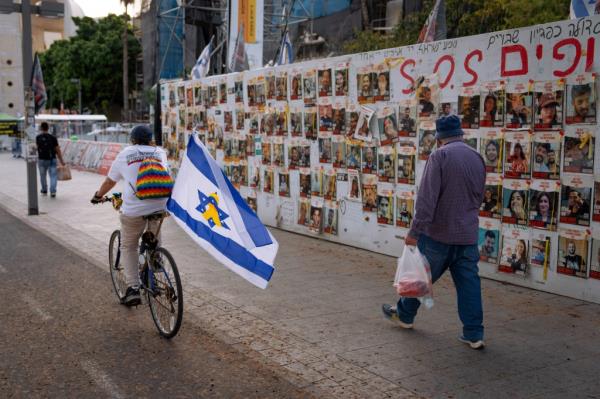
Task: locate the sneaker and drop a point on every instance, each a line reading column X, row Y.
column 479, row 344
column 132, row 297
column 53, row 195
column 391, row 314
column 44, row 192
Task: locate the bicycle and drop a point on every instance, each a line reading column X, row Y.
column 158, row 274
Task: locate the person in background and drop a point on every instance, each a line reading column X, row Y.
column 48, row 151
column 446, row 227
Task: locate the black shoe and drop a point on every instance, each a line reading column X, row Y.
column 132, row 297
column 53, row 195
column 44, row 192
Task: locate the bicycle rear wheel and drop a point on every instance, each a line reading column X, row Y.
column 165, row 294
column 117, row 272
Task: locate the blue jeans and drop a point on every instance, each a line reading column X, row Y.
column 462, row 262
column 45, row 166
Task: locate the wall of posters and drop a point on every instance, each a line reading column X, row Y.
column 527, row 99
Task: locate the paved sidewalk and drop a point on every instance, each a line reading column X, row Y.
column 319, row 322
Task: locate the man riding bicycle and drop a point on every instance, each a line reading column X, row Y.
column 126, row 167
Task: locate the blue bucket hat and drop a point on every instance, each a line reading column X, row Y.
column 448, row 126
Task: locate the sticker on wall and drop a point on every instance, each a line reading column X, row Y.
column 488, row 241
column 354, row 191
column 548, row 100
column 388, row 127
column 491, row 149
column 491, row 207
column 386, row 164
column 541, row 246
column 330, row 223
column 544, row 204
column 575, row 199
column 579, row 144
column 407, row 118
column 405, row 206
column 316, row 215
column 573, row 252
column 385, row 204
column 492, row 104
column 468, row 107
column 519, row 105
column 427, row 141
column 515, row 251
column 369, row 193
column 406, row 163
column 517, row 153
column 581, row 99
column 325, row 89
column 515, row 195
column 546, row 155
column 341, row 80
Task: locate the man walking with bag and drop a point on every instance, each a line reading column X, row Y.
column 48, row 150
column 445, row 227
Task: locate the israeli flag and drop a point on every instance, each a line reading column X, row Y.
column 286, row 53
column 202, row 66
column 207, row 206
column 584, row 8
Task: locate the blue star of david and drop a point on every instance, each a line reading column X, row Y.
column 209, row 207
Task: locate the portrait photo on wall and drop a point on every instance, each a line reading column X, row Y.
column 278, row 154
column 575, row 204
column 543, row 208
column 385, row 209
column 492, row 104
column 468, row 107
column 325, row 118
column 354, row 191
column 325, row 82
column 281, row 83
column 316, row 182
column 407, row 118
column 238, row 89
column 353, row 156
column 325, row 150
column 519, row 105
column 540, row 251
column 363, row 128
column 268, row 182
column 330, row 185
column 228, row 118
column 270, row 82
column 595, row 259
column 281, row 125
column 310, row 123
column 581, row 99
column 488, row 241
column 296, row 123
column 491, row 207
column 316, row 218
column 517, row 148
column 305, row 184
column 198, row 95
column 369, row 159
column 579, row 144
column 515, row 195
column 341, row 81
column 405, row 208
column 267, row 124
column 254, row 118
column 309, row 84
column 284, row 184
column 330, row 224
column 548, row 100
column 252, row 203
column 339, row 119
column 406, row 164
column 471, row 138
column 239, row 119
column 369, row 193
column 338, row 149
column 296, row 86
column 515, row 252
column 260, row 92
column 546, row 156
column 427, row 142
column 491, row 149
column 448, row 108
column 386, row 166
column 365, row 85
column 388, row 128
column 304, row 154
column 223, row 93
column 303, row 212
column 382, row 85
column 572, row 254
column 293, row 156
column 266, row 152
column 352, row 116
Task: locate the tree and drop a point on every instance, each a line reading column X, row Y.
column 465, row 18
column 94, row 55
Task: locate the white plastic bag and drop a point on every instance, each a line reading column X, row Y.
column 413, row 276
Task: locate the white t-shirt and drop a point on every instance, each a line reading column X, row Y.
column 125, row 167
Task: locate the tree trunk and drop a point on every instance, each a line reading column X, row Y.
column 125, row 74
column 364, row 10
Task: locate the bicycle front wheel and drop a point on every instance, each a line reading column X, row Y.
column 117, row 272
column 165, row 294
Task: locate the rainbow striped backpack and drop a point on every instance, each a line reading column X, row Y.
column 153, row 180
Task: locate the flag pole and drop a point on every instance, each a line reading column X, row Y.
column 285, row 29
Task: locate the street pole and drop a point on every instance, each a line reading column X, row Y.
column 31, row 159
column 79, row 99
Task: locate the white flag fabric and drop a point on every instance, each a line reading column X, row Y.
column 286, row 53
column 210, row 210
column 202, row 66
column 435, row 25
column 584, row 8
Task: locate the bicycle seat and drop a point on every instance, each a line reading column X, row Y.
column 156, row 215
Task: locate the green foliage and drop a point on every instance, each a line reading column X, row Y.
column 95, row 56
column 465, row 18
